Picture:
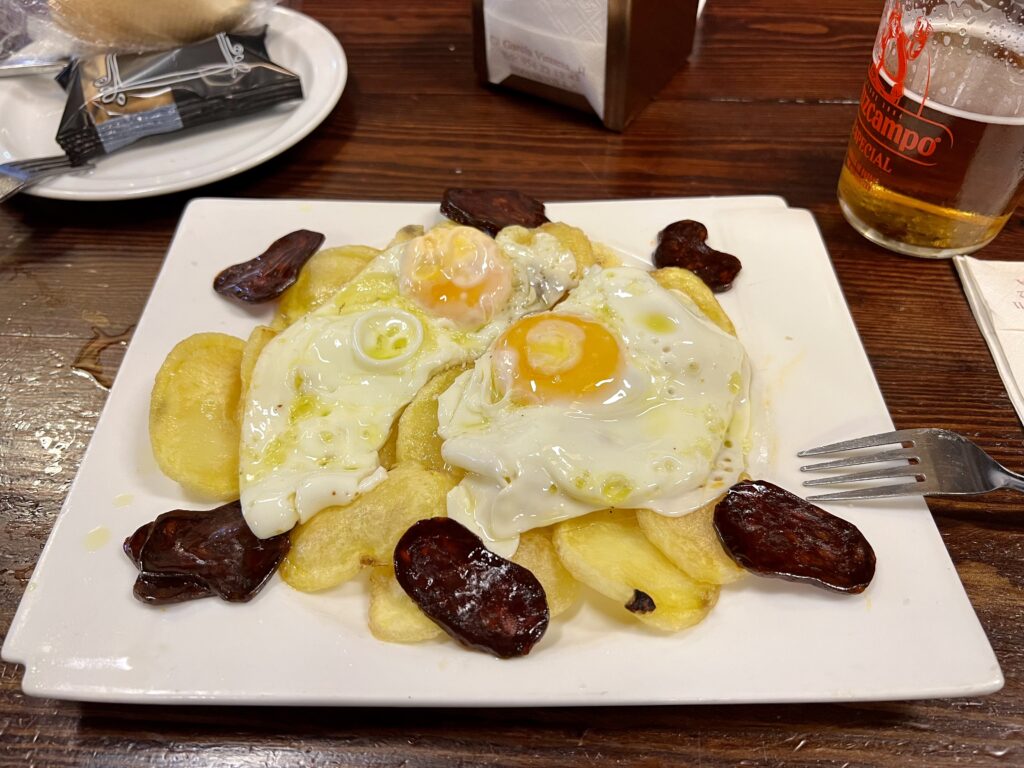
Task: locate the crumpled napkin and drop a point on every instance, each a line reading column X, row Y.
column 995, row 291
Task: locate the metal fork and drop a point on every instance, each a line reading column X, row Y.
column 932, row 462
column 16, row 176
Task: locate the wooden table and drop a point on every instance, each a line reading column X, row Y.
column 765, row 106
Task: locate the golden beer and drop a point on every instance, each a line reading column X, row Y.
column 935, row 164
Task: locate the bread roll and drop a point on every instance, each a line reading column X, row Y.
column 147, row 24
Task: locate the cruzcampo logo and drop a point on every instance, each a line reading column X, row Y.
column 891, row 122
column 904, row 48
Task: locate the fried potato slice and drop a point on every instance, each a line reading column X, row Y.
column 193, row 414
column 332, row 546
column 405, row 234
column 387, row 455
column 321, row 277
column 691, row 543
column 258, row 339
column 393, row 616
column 417, row 426
column 575, row 240
column 608, row 552
column 605, row 257
column 536, row 553
column 687, row 283
column 569, row 237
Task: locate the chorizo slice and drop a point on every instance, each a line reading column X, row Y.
column 684, row 244
column 187, row 554
column 491, row 210
column 266, row 276
column 772, row 532
column 479, row 598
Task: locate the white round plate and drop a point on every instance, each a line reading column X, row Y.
column 32, row 107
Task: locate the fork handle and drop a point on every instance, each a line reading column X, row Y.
column 1004, row 478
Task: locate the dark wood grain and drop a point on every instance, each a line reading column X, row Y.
column 764, row 106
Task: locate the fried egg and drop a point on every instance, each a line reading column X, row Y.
column 624, row 395
column 325, row 391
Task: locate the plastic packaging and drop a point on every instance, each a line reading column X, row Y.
column 117, row 99
column 40, row 29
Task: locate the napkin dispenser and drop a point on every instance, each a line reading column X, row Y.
column 609, row 57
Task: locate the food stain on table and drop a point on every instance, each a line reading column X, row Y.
column 22, row 575
column 89, row 363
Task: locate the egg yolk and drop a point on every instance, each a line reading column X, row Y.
column 557, row 358
column 457, row 273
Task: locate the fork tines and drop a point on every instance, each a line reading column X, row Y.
column 907, row 454
column 871, row 441
column 36, row 165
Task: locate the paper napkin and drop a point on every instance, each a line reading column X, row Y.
column 995, row 291
column 567, row 53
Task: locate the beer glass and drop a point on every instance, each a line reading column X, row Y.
column 935, row 164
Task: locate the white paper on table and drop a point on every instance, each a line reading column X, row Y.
column 995, row 291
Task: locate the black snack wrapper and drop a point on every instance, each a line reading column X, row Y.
column 116, row 99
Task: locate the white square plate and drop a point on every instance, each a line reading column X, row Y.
column 912, row 634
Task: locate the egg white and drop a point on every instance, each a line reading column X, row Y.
column 325, row 391
column 670, row 438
